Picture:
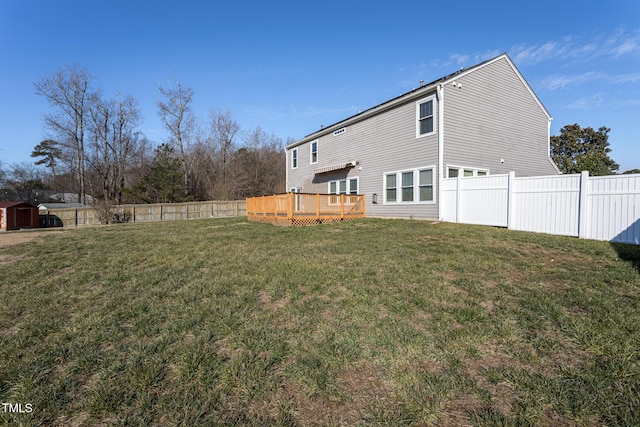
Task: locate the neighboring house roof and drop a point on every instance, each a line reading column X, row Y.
column 12, row 204
column 413, row 94
column 44, row 206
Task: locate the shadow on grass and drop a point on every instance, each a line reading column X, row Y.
column 629, row 253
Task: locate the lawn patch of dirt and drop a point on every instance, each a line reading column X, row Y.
column 11, row 238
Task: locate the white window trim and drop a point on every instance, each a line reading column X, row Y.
column 311, row 152
column 431, row 98
column 416, row 186
column 461, row 170
column 294, row 155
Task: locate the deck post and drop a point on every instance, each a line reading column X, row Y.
column 317, row 206
column 289, row 206
column 342, row 206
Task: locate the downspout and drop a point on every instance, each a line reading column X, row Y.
column 549, row 148
column 286, row 168
column 440, row 95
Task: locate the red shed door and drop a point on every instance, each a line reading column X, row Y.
column 24, row 217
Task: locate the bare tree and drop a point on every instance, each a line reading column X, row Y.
column 24, row 180
column 261, row 160
column 67, row 91
column 112, row 127
column 177, row 117
column 224, row 131
column 3, row 179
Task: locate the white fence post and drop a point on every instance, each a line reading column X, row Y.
column 583, row 215
column 458, row 197
column 510, row 201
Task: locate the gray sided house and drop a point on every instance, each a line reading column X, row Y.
column 478, row 121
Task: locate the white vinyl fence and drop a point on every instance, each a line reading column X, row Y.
column 599, row 207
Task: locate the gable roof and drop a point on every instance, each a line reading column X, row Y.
column 415, row 94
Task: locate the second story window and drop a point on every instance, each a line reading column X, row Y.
column 314, row 152
column 294, row 158
column 425, row 118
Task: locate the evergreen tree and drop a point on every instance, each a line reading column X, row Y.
column 577, row 149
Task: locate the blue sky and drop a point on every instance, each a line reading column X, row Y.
column 292, row 66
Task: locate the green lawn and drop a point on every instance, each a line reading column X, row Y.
column 369, row 322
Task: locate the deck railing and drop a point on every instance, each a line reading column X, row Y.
column 305, row 209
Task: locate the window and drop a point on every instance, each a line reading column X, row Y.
column 415, row 186
column 426, row 185
column 390, row 187
column 344, row 186
column 407, row 187
column 353, row 186
column 314, row 152
column 294, row 158
column 425, row 118
column 455, row 171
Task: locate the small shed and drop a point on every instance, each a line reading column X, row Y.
column 14, row 215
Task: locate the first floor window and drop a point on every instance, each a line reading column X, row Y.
column 455, row 171
column 409, row 186
column 344, row 186
column 426, row 185
column 390, row 187
column 353, row 186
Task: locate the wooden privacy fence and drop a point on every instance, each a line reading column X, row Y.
column 70, row 217
column 305, row 209
column 599, row 207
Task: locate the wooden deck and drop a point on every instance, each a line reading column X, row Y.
column 305, row 209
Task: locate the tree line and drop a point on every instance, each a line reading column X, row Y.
column 95, row 147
